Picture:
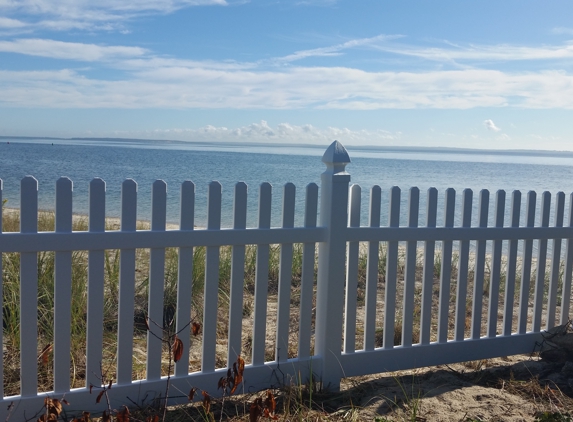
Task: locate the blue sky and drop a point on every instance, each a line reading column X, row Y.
column 475, row 74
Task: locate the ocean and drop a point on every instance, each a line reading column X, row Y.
column 175, row 162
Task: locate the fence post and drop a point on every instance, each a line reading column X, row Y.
column 331, row 262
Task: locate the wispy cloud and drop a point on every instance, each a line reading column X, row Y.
column 562, row 30
column 295, row 87
column 69, row 50
column 500, row 52
column 334, row 50
column 490, row 125
column 87, row 14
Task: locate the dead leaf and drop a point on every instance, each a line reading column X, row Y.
column 99, row 396
column 177, row 348
column 206, row 401
column 105, row 417
column 123, row 416
column 255, row 410
column 196, row 328
column 152, row 418
column 192, row 394
column 44, row 357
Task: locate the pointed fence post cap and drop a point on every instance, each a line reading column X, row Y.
column 336, row 154
column 336, row 158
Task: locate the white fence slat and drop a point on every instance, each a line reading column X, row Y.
column 307, row 276
column 211, row 289
column 477, row 300
column 446, row 269
column 29, row 290
column 495, row 275
column 410, row 270
column 391, row 272
column 126, row 285
column 555, row 262
column 1, row 295
column 463, row 264
column 237, row 277
column 185, row 277
column 285, row 278
column 156, row 282
column 511, row 266
column 371, row 294
column 352, row 251
column 262, row 278
column 62, row 289
column 567, row 273
column 428, row 271
column 526, row 265
column 95, row 285
column 541, row 263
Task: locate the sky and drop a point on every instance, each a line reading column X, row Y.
column 469, row 74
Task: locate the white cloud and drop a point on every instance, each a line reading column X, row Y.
column 69, row 50
column 7, row 23
column 295, row 87
column 90, row 15
column 500, row 52
column 563, row 30
column 263, row 132
column 490, row 125
column 335, row 49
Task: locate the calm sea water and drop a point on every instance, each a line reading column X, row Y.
column 176, row 162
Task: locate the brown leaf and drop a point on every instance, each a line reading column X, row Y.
column 191, row 394
column 241, row 365
column 109, row 386
column 45, row 354
column 206, row 401
column 270, row 402
column 55, row 408
column 255, row 410
column 86, row 417
column 99, row 396
column 123, row 416
column 196, row 328
column 222, row 383
column 91, row 387
column 65, row 402
column 105, row 417
column 152, row 418
column 177, row 348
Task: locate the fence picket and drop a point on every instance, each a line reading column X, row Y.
column 211, row 286
column 526, row 265
column 511, row 266
column 156, row 288
column 495, row 275
column 372, row 273
column 428, row 271
column 477, row 301
column 555, row 262
column 352, row 251
column 237, row 277
column 262, row 278
column 28, row 290
column 391, row 272
column 463, row 264
column 410, row 270
column 446, row 269
column 126, row 285
column 307, row 276
column 185, row 277
column 567, row 273
column 62, row 289
column 94, row 338
column 285, row 278
column 541, row 263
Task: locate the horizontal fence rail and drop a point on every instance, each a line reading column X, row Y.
column 346, row 299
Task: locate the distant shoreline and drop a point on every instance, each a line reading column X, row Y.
column 370, row 148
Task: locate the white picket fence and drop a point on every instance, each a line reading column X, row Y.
column 334, row 333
